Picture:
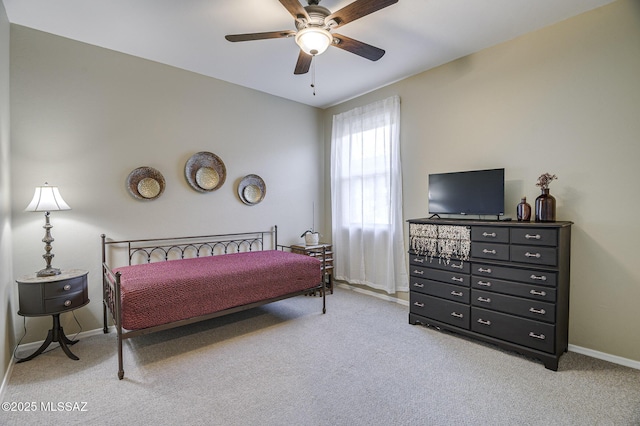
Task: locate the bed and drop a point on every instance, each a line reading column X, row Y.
column 170, row 282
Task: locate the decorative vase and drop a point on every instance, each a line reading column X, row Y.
column 545, row 207
column 523, row 211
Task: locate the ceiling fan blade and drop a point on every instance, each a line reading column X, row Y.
column 359, row 48
column 295, row 9
column 303, row 64
column 357, row 10
column 260, row 36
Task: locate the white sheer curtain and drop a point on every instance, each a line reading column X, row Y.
column 366, row 193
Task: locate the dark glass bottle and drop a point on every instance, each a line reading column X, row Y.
column 545, row 207
column 523, row 211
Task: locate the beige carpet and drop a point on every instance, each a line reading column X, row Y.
column 287, row 364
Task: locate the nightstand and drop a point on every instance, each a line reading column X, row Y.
column 316, row 251
column 41, row 296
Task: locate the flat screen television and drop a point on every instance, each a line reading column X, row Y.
column 476, row 192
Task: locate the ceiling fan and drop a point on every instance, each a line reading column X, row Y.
column 314, row 24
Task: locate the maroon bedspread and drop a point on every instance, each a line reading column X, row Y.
column 164, row 292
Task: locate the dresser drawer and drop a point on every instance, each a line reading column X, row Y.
column 490, row 251
column 441, row 310
column 535, row 292
column 489, row 234
column 446, row 291
column 440, row 275
column 529, row 276
column 534, row 236
column 514, row 305
column 451, row 265
column 534, row 255
column 61, row 288
column 525, row 332
column 67, row 302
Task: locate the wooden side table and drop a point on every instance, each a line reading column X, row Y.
column 316, row 251
column 41, row 296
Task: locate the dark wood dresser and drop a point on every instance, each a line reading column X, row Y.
column 509, row 287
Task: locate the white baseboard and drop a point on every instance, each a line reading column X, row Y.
column 373, row 293
column 605, row 356
column 626, row 362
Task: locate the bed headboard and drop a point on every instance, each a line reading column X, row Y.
column 163, row 249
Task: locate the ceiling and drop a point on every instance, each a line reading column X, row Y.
column 416, row 34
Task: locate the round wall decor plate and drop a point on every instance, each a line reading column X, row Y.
column 145, row 183
column 252, row 189
column 205, row 171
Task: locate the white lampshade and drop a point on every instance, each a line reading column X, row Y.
column 314, row 40
column 47, row 199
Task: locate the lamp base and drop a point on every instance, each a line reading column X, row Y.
column 48, row 272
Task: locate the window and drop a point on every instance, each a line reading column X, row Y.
column 366, row 191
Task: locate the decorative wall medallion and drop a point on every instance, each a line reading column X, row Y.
column 252, row 189
column 145, row 183
column 205, row 171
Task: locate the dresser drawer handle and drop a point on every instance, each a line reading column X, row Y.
column 457, row 279
column 484, row 322
column 532, row 237
column 422, row 285
column 457, row 266
column 539, row 278
column 485, row 251
column 536, row 255
column 484, row 299
column 67, row 303
column 418, row 260
column 418, row 272
column 536, row 336
column 67, row 287
column 537, row 311
column 484, row 283
column 486, row 234
column 488, row 270
column 418, row 304
column 456, row 293
column 538, row 293
column 457, row 315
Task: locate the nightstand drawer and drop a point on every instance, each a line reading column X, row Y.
column 62, row 288
column 60, row 304
column 41, row 296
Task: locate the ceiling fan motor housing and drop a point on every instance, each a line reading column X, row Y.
column 316, row 14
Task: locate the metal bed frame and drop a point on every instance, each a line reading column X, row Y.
column 164, row 249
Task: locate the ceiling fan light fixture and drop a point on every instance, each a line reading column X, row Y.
column 314, row 40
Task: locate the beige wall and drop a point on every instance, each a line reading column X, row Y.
column 564, row 100
column 84, row 117
column 7, row 288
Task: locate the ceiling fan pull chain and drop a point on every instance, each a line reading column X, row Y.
column 313, row 77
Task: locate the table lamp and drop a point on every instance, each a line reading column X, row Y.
column 47, row 199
